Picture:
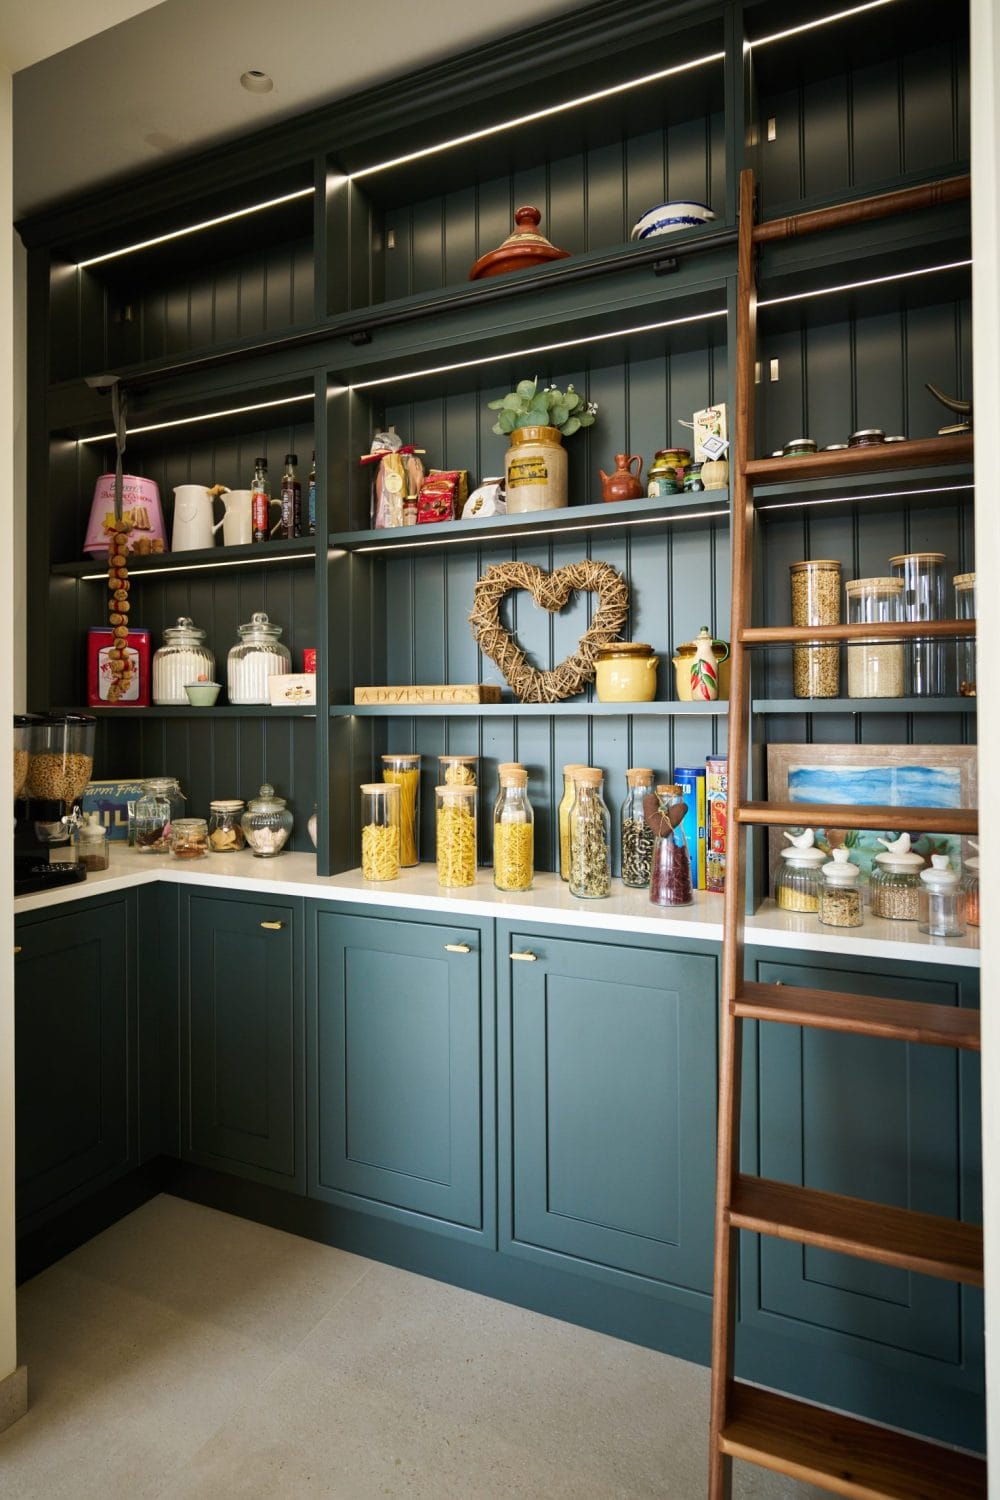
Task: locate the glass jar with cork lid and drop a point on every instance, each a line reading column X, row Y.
column 815, row 587
column 875, row 669
column 458, row 770
column 589, row 836
column 637, row 836
column 513, row 833
column 403, row 770
column 455, row 825
column 565, row 807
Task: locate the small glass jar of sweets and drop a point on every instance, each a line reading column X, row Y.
column 840, row 902
column 637, row 836
column 267, row 823
column 458, row 770
column 403, row 770
column 513, row 833
column 895, row 881
column 874, row 668
column 970, row 886
column 797, row 878
column 965, row 651
column 455, row 827
column 225, row 834
column 816, row 601
column 670, row 881
column 566, row 803
column 923, row 577
column 189, row 838
column 942, row 900
column 380, row 801
column 589, row 836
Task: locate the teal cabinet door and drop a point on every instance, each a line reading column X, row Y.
column 610, row 1114
column 75, row 1055
column 241, row 1039
column 398, row 1027
column 880, row 1120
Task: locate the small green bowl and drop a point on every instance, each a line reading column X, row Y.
column 202, row 694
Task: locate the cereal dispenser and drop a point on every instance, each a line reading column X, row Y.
column 53, row 761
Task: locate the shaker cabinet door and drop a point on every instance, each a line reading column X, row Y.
column 75, row 1055
column 397, row 1070
column 241, row 1020
column 610, row 1114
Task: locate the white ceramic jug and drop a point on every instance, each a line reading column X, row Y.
column 237, row 523
column 193, row 528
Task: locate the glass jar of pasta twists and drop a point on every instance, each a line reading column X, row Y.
column 403, row 770
column 458, row 770
column 568, row 798
column 380, row 831
column 455, row 825
column 513, row 833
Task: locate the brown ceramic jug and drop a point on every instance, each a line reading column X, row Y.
column 622, row 484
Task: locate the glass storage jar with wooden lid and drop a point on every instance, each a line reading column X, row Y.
column 923, row 577
column 875, row 669
column 797, row 878
column 455, row 826
column 589, row 836
column 626, row 672
column 815, row 587
column 636, row 834
column 455, row 770
column 513, row 833
column 895, row 881
column 565, row 805
column 380, row 802
column 965, row 651
column 402, row 769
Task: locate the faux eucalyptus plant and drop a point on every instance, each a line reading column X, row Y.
column 527, row 406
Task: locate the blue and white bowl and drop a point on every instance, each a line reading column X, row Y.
column 666, row 218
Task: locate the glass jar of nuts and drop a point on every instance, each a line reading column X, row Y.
column 839, row 895
column 816, row 601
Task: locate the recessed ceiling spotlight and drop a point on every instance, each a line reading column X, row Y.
column 256, row 82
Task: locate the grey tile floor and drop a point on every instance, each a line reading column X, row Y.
column 189, row 1355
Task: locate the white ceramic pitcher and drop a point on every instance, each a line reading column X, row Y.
column 193, row 528
column 237, row 523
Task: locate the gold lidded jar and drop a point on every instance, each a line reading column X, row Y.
column 380, row 801
column 815, row 586
column 895, row 881
column 875, row 669
column 840, row 902
column 797, row 878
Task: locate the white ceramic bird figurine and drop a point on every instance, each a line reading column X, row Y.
column 897, row 846
column 804, row 840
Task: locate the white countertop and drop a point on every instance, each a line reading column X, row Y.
column 549, row 900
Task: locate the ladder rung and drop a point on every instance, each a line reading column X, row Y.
column 808, row 635
column 963, row 820
column 853, row 1226
column 861, row 1015
column 843, row 1454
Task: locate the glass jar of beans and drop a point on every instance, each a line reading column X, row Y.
column 816, row 601
column 895, row 882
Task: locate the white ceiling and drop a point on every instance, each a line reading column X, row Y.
column 165, row 81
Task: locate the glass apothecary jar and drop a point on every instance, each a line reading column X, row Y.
column 403, row 770
column 840, row 903
column 380, row 801
column 797, row 879
column 923, row 579
column 815, row 587
column 970, row 887
column 589, row 836
column 458, row 770
column 91, row 842
column 942, row 900
column 182, row 658
column 258, row 655
column 225, row 832
column 875, row 669
column 455, row 826
column 267, row 823
column 189, row 838
column 637, row 836
column 670, row 881
column 895, row 881
column 565, row 805
column 513, row 833
column 965, row 651
column 162, row 802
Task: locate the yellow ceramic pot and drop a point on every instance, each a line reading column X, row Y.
column 626, row 673
column 682, row 669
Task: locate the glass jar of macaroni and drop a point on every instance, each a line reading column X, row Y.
column 455, row 826
column 403, row 770
column 513, row 833
column 380, row 801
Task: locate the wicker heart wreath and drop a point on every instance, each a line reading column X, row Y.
column 551, row 591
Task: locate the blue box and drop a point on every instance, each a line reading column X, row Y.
column 691, row 780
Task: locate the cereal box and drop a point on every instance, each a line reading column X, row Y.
column 716, row 796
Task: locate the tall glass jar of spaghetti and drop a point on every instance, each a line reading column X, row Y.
column 403, row 770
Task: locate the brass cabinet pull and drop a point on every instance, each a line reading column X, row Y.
column 273, row 926
column 457, row 948
column 17, row 949
column 526, row 957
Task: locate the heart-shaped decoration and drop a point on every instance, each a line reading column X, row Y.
column 552, row 592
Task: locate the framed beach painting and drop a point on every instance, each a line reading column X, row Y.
column 873, row 775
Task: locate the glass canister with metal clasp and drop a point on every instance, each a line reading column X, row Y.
column 267, row 823
column 161, row 802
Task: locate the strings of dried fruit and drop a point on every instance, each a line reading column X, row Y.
column 118, row 608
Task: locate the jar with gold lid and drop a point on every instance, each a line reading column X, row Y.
column 626, row 672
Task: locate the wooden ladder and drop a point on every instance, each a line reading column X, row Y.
column 835, row 1452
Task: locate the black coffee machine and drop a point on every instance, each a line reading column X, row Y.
column 53, row 762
